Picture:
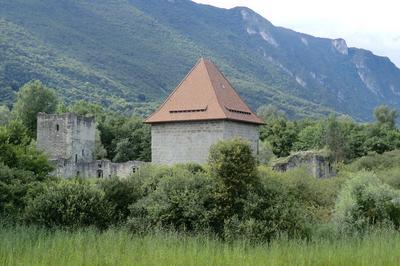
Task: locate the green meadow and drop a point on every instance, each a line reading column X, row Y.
column 32, row 246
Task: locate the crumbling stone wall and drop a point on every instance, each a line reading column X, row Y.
column 66, row 136
column 317, row 163
column 69, row 141
column 95, row 169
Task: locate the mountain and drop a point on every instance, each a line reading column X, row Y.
column 129, row 54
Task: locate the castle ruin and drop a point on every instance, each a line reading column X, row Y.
column 69, row 142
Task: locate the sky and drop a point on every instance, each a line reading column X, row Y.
column 369, row 24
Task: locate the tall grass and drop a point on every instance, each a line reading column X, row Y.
column 31, row 246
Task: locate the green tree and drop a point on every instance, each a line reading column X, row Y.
column 335, row 138
column 126, row 138
column 385, row 116
column 233, row 166
column 5, row 115
column 281, row 134
column 34, row 97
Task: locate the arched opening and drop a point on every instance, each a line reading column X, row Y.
column 58, row 127
column 99, row 173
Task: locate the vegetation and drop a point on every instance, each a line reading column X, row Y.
column 346, row 139
column 147, row 47
column 232, row 203
column 32, row 246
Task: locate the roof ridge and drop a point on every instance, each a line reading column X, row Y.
column 176, row 88
column 232, row 87
column 213, row 88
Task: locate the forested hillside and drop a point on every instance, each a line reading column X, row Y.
column 127, row 55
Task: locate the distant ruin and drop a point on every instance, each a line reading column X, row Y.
column 69, row 142
column 318, row 163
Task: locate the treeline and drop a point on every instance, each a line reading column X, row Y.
column 346, row 139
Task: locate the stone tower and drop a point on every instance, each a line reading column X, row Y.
column 201, row 111
column 66, row 137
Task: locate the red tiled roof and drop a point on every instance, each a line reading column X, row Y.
column 204, row 94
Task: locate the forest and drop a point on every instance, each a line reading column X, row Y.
column 233, row 207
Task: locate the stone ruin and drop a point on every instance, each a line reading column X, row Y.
column 69, row 142
column 318, row 163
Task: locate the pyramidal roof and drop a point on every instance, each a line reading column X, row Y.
column 204, row 94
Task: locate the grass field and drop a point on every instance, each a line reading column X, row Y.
column 29, row 246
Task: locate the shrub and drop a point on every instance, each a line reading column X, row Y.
column 121, row 193
column 69, row 204
column 181, row 202
column 233, row 166
column 16, row 187
column 374, row 161
column 269, row 210
column 366, row 201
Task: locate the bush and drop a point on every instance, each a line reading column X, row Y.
column 121, row 193
column 374, row 161
column 366, row 201
column 269, row 210
column 16, row 187
column 182, row 202
column 233, row 166
column 69, row 204
column 317, row 196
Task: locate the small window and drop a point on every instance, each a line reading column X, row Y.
column 58, row 127
column 76, row 158
column 134, row 170
column 99, row 165
column 78, row 173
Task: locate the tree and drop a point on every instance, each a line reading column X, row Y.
column 34, row 97
column 335, row 138
column 281, row 134
column 385, row 116
column 5, row 115
column 233, row 166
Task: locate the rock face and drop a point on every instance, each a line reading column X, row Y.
column 69, row 142
column 317, row 163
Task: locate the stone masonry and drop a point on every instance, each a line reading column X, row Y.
column 190, row 141
column 317, row 163
column 69, row 142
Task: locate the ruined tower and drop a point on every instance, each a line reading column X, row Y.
column 201, row 111
column 66, row 137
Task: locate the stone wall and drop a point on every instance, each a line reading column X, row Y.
column 184, row 142
column 66, row 136
column 317, row 163
column 95, row 169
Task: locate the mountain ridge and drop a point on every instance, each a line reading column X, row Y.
column 129, row 54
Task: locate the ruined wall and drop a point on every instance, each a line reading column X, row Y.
column 95, row 169
column 83, row 138
column 66, row 136
column 54, row 135
column 183, row 142
column 317, row 163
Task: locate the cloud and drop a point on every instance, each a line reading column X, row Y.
column 372, row 25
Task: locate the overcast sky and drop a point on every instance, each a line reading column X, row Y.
column 369, row 24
